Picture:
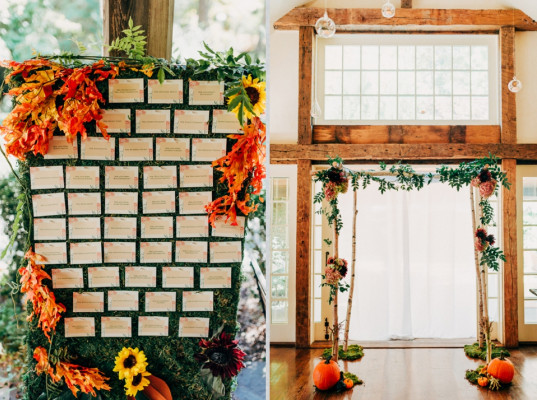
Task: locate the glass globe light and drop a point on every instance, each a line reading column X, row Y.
column 325, row 26
column 388, row 10
column 515, row 85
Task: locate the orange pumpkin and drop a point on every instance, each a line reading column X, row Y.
column 483, row 381
column 326, row 374
column 502, row 369
column 348, row 383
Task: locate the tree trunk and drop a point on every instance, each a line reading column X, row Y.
column 481, row 334
column 353, row 269
column 335, row 332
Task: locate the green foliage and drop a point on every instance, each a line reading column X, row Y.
column 132, row 44
column 354, row 352
column 472, row 375
column 354, row 378
column 491, row 256
column 474, row 351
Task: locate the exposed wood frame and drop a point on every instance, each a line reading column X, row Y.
column 155, row 16
column 510, row 267
column 368, row 134
column 291, row 153
column 406, row 3
column 508, row 100
column 305, row 78
column 407, row 18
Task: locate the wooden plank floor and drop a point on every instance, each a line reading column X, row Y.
column 399, row 374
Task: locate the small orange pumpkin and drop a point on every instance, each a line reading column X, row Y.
column 502, row 369
column 326, row 374
column 483, row 381
column 348, row 383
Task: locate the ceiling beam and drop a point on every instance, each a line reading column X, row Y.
column 356, row 19
column 406, row 3
column 291, row 153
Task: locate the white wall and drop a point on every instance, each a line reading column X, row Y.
column 283, row 63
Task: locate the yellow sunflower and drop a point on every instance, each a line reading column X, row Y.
column 136, row 383
column 130, row 362
column 256, row 92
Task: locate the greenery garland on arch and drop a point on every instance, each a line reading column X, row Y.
column 65, row 93
column 485, row 175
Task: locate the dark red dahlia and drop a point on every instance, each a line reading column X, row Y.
column 343, row 270
column 221, row 355
column 481, row 234
column 485, row 175
column 337, row 175
column 330, row 260
column 490, row 239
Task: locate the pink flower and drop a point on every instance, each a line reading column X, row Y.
column 330, row 191
column 480, row 245
column 332, row 276
column 486, row 189
column 475, row 182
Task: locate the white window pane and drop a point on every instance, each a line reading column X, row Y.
column 370, row 57
column 480, row 82
column 370, row 82
column 279, row 312
column 442, row 109
column 530, row 261
column 424, row 57
column 388, row 57
column 279, row 213
column 388, row 82
column 318, row 261
column 480, row 108
column 461, row 57
column 317, row 286
column 493, row 285
column 332, row 57
column 407, row 106
column 461, row 107
column 480, row 57
column 351, row 107
column 279, row 188
column 280, row 286
column 530, row 312
column 425, row 107
column 332, row 82
column 424, row 82
column 317, row 310
column 332, row 107
column 442, row 84
column 530, row 237
column 369, row 107
column 318, row 238
column 407, row 57
column 530, row 213
column 279, row 237
column 493, row 310
column 406, row 82
column 351, row 82
column 461, row 82
column 388, row 108
column 351, row 57
column 318, row 218
column 530, row 188
column 530, row 282
column 442, row 57
column 280, row 262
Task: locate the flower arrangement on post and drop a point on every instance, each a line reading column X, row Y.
column 336, row 269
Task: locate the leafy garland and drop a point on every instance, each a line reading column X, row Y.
column 60, row 93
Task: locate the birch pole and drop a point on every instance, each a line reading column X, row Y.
column 353, row 269
column 484, row 293
column 335, row 332
column 481, row 334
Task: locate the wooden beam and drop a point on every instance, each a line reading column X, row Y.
column 155, row 17
column 291, row 153
column 406, row 3
column 507, row 50
column 368, row 134
column 305, row 79
column 303, row 254
column 509, row 246
column 411, row 19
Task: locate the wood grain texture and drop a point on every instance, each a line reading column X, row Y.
column 410, row 18
column 509, row 245
column 305, row 80
column 406, row 3
column 399, row 374
column 290, row 153
column 155, row 16
column 303, row 255
column 378, row 134
column 507, row 51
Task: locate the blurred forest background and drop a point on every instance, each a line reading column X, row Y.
column 28, row 27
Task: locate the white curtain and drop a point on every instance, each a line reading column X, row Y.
column 415, row 273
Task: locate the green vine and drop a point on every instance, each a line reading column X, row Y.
column 133, row 43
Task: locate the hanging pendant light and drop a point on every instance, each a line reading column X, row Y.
column 388, row 10
column 325, row 26
column 514, row 85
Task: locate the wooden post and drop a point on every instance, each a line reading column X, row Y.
column 155, row 16
column 406, row 3
column 509, row 237
column 507, row 49
column 475, row 221
column 303, row 254
column 305, row 81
